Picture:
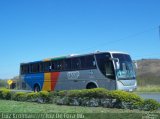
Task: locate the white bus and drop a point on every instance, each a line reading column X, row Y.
column 110, row 70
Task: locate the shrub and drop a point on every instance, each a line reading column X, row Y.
column 100, row 97
column 43, row 97
column 53, row 95
column 20, row 96
column 126, row 100
column 32, row 97
column 62, row 100
column 1, row 96
column 61, row 93
column 150, row 105
column 95, row 93
column 5, row 94
column 125, row 96
column 90, row 93
column 86, row 97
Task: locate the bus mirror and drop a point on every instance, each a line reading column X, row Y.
column 135, row 64
column 116, row 60
column 117, row 65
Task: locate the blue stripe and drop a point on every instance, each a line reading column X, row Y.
column 32, row 79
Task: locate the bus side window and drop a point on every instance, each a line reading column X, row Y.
column 47, row 66
column 83, row 62
column 27, row 69
column 35, row 68
column 58, row 65
column 24, row 69
column 31, row 68
column 61, row 65
column 67, row 64
column 90, row 61
column 53, row 65
column 75, row 63
column 41, row 67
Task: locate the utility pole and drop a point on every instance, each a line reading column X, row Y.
column 159, row 31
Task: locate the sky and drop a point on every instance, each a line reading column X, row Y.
column 32, row 30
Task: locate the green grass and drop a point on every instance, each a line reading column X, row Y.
column 148, row 88
column 28, row 107
column 7, row 106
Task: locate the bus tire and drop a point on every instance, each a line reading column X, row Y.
column 91, row 85
column 36, row 88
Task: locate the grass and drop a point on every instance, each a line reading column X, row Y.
column 7, row 106
column 148, row 88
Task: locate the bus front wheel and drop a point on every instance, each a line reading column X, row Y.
column 36, row 88
column 91, row 85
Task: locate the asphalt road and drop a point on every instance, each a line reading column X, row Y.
column 21, row 90
column 150, row 95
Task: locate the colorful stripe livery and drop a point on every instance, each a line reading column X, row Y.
column 46, row 81
column 50, row 80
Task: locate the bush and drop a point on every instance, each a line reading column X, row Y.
column 5, row 94
column 86, row 97
column 90, row 93
column 32, row 97
column 1, row 96
column 53, row 95
column 126, row 100
column 125, row 96
column 43, row 97
column 20, row 96
column 150, row 105
column 99, row 97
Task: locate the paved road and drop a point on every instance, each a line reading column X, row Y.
column 155, row 96
column 21, row 90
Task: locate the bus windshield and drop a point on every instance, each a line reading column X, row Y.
column 126, row 70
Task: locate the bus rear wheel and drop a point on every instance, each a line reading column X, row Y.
column 91, row 85
column 36, row 88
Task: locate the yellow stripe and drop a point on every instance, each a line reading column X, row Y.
column 47, row 60
column 47, row 82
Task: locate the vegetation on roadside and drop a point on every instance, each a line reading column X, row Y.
column 148, row 88
column 87, row 97
column 3, row 83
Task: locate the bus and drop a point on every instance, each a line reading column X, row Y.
column 110, row 70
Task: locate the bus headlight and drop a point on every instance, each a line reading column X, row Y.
column 119, row 85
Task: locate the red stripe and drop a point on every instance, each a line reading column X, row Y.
column 54, row 79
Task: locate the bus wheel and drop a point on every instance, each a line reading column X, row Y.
column 36, row 88
column 91, row 85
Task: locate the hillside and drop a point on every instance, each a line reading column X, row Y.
column 148, row 71
column 148, row 67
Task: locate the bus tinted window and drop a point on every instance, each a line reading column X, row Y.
column 67, row 64
column 34, row 68
column 75, row 63
column 57, row 65
column 41, row 67
column 83, row 62
column 47, row 66
column 24, row 69
column 61, row 65
column 90, row 62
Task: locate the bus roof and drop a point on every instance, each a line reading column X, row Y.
column 74, row 55
column 112, row 52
